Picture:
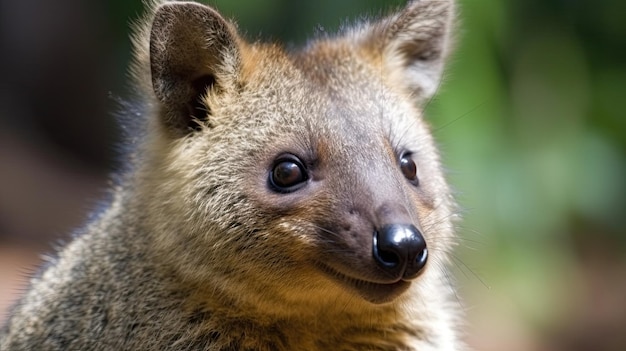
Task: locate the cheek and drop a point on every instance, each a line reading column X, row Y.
column 298, row 221
column 294, row 234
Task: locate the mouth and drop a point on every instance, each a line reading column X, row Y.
column 374, row 292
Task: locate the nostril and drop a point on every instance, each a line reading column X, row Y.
column 384, row 255
column 417, row 262
column 421, row 258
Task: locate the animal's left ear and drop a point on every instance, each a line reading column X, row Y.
column 414, row 44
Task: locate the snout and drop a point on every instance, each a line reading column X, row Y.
column 400, row 250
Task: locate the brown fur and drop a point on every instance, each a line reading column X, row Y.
column 197, row 252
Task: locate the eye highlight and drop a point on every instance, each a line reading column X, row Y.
column 288, row 174
column 409, row 169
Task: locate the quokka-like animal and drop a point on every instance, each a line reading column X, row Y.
column 275, row 200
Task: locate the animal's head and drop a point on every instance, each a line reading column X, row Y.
column 280, row 178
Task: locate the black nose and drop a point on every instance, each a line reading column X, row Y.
column 400, row 249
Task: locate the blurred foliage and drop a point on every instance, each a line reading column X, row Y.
column 531, row 124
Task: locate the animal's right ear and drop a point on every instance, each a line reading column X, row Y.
column 193, row 50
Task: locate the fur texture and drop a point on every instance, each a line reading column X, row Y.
column 198, row 251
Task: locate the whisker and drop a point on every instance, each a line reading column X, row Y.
column 476, row 275
column 324, row 229
column 460, row 238
column 438, row 129
column 451, row 285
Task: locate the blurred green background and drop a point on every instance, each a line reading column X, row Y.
column 530, row 121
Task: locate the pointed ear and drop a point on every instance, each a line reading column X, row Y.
column 414, row 44
column 193, row 50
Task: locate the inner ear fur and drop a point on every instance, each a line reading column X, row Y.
column 193, row 49
column 414, row 44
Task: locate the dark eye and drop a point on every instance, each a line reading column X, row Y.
column 288, row 174
column 409, row 169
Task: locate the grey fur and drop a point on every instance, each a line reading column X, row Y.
column 197, row 252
